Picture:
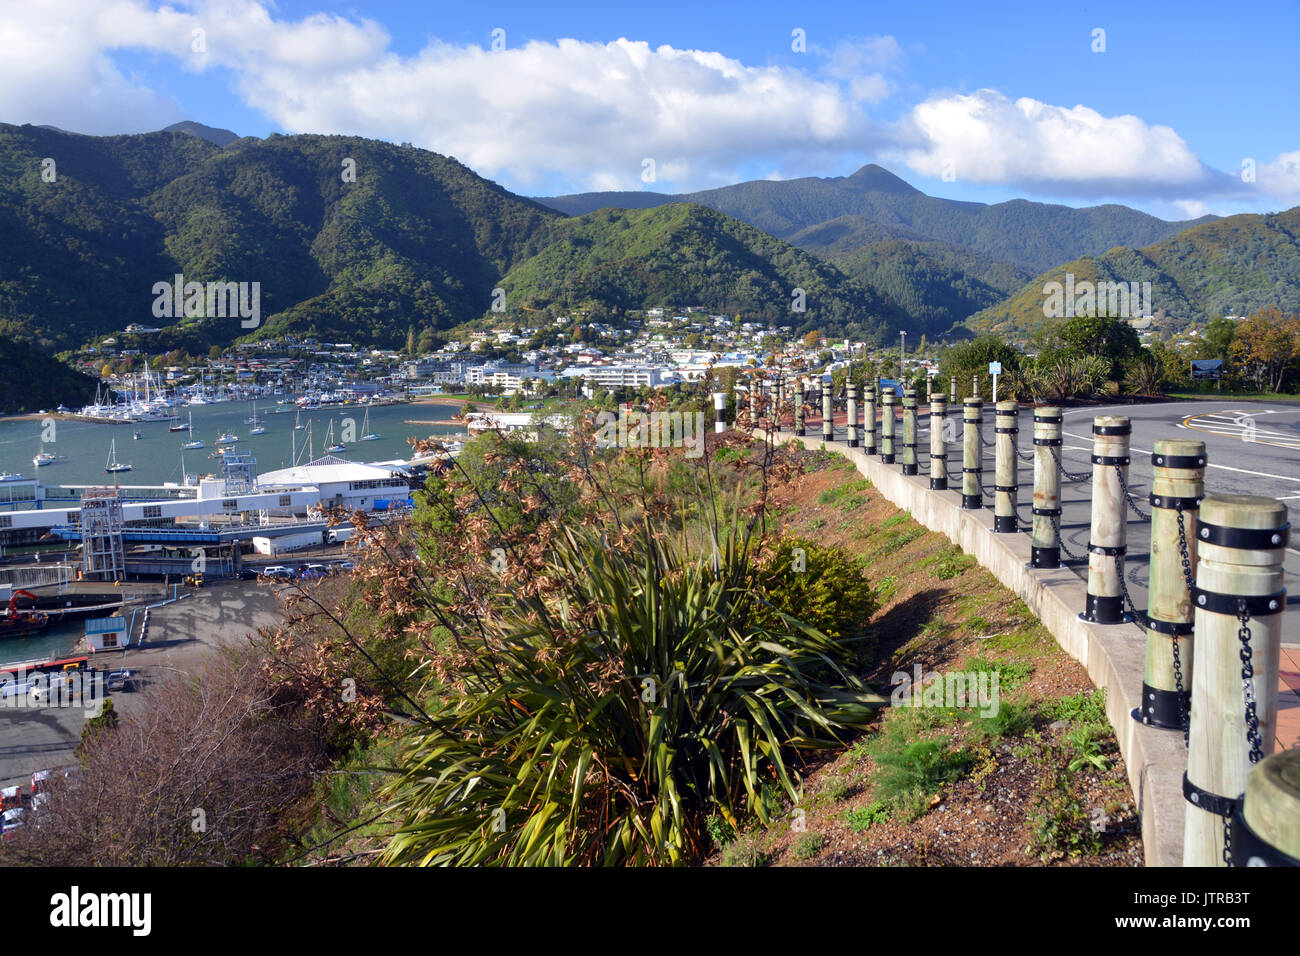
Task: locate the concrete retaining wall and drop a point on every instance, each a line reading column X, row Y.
column 1114, row 656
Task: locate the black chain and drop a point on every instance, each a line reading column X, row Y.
column 1060, row 541
column 1070, row 476
column 1227, row 839
column 1139, row 617
column 1183, row 717
column 1248, row 683
column 1183, row 549
column 1123, row 483
column 1025, row 455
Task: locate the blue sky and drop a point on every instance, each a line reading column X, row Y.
column 966, row 103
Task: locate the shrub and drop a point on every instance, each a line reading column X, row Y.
column 824, row 588
column 603, row 724
column 808, row 846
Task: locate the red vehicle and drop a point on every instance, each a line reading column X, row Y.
column 16, row 623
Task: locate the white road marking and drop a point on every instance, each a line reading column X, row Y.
column 1243, row 471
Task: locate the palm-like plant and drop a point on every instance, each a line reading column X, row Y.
column 1145, row 377
column 619, row 710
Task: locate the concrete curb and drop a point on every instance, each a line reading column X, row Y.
column 1114, row 656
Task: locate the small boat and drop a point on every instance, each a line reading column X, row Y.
column 16, row 623
column 197, row 443
column 113, row 466
column 44, row 458
column 229, row 438
column 136, row 436
column 10, row 476
column 330, row 444
column 366, row 433
column 254, row 420
column 179, row 426
column 297, row 421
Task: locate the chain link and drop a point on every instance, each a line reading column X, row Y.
column 1123, row 483
column 1183, row 717
column 1248, row 683
column 1025, row 455
column 1070, row 476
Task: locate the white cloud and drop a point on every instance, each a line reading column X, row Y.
column 988, row 138
column 1281, row 177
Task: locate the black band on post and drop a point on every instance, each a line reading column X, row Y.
column 1101, row 609
column 938, row 484
column 1110, row 459
column 1211, row 802
column 1161, row 708
column 1045, row 558
column 1004, row 524
column 971, row 502
column 1178, row 461
column 1172, row 628
column 1006, row 431
column 1106, row 549
column 1049, row 442
column 1257, row 605
column 1174, row 504
column 1247, row 539
column 1048, row 419
column 1249, row 850
column 1047, row 512
column 1112, row 429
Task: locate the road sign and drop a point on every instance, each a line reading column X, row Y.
column 1207, row 370
column 995, row 368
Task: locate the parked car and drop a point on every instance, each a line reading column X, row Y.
column 314, row 571
column 280, row 572
column 249, row 574
column 120, row 680
column 11, row 820
column 39, row 778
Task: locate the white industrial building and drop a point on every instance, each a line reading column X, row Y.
column 342, row 484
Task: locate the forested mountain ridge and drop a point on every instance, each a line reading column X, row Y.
column 1231, row 266
column 873, row 204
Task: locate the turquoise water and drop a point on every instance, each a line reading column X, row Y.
column 83, row 447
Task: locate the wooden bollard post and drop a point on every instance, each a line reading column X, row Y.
column 1006, row 426
column 953, row 388
column 1045, row 551
column 1176, row 491
column 780, row 399
column 828, row 411
column 1266, row 828
column 972, row 455
column 719, row 411
column 887, row 427
column 1239, row 600
column 851, row 431
column 975, row 385
column 869, row 419
column 800, row 398
column 938, row 448
column 1108, row 536
column 909, row 430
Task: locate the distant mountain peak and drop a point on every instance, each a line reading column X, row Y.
column 218, row 137
column 879, row 179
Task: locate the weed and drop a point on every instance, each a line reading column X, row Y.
column 862, row 818
column 835, row 788
column 745, row 850
column 952, row 562
column 808, row 846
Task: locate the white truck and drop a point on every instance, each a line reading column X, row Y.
column 339, row 534
column 286, row 542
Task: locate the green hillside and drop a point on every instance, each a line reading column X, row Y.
column 34, row 380
column 936, row 284
column 417, row 238
column 686, row 254
column 1232, row 266
column 873, row 204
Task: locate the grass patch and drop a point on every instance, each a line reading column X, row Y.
column 952, row 562
column 847, row 496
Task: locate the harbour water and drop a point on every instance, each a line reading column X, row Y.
column 82, row 448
